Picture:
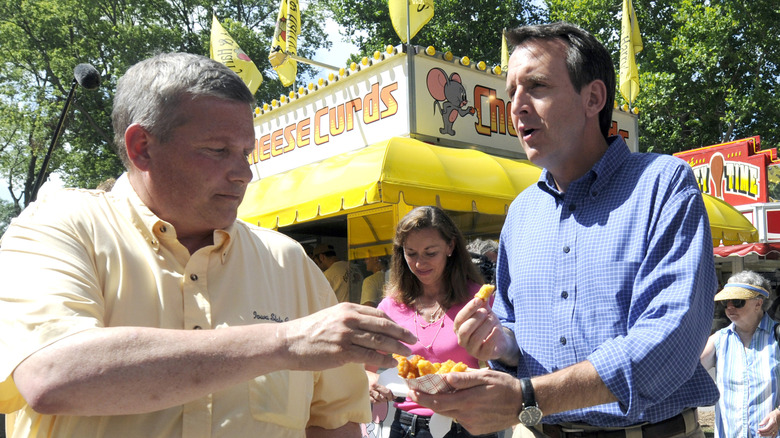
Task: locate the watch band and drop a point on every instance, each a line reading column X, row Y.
column 529, row 397
column 531, row 415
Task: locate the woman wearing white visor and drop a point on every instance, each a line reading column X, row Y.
column 746, row 358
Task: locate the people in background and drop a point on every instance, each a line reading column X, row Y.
column 605, row 272
column 431, row 279
column 374, row 284
column 150, row 311
column 345, row 280
column 484, row 253
column 746, row 358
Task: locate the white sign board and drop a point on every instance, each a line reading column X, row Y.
column 453, row 105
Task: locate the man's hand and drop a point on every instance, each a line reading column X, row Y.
column 484, row 401
column 481, row 334
column 343, row 334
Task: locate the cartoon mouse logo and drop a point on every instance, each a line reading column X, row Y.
column 450, row 98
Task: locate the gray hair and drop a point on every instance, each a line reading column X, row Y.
column 754, row 279
column 155, row 91
column 482, row 247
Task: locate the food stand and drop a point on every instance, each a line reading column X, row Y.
column 748, row 178
column 342, row 160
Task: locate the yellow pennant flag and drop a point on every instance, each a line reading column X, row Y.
column 285, row 42
column 504, row 53
column 225, row 50
column 421, row 12
column 630, row 45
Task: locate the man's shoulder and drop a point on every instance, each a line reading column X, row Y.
column 65, row 204
column 655, row 161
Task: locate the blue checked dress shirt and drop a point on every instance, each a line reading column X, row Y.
column 618, row 271
column 748, row 378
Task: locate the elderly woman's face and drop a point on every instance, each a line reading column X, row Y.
column 738, row 309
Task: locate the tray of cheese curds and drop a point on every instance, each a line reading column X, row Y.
column 425, row 376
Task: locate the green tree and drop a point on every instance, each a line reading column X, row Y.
column 709, row 72
column 470, row 28
column 41, row 41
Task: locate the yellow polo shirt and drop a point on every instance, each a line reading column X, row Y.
column 80, row 259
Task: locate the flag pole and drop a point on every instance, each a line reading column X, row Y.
column 278, row 57
column 410, row 73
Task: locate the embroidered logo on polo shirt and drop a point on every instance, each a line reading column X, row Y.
column 272, row 317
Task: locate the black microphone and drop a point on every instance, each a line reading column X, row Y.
column 88, row 77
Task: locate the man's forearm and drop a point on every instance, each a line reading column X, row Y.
column 575, row 387
column 127, row 370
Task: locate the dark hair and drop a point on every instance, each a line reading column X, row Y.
column 404, row 286
column 586, row 59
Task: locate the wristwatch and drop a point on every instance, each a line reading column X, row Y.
column 531, row 415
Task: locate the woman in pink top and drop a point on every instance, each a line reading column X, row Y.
column 431, row 278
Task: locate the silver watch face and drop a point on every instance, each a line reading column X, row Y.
column 530, row 416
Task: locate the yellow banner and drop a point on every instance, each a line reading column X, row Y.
column 630, row 45
column 504, row 53
column 285, row 42
column 225, row 50
column 421, row 12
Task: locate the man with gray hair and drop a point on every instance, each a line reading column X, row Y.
column 151, row 311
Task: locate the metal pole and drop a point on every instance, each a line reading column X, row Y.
column 410, row 52
column 42, row 173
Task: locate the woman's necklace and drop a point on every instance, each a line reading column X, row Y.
column 428, row 347
column 433, row 317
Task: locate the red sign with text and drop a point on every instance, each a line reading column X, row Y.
column 735, row 171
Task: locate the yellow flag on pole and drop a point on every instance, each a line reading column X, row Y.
column 504, row 53
column 223, row 48
column 421, row 12
column 285, row 42
column 630, row 45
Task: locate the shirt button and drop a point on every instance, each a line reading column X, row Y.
column 197, row 327
column 564, row 295
column 563, row 340
column 566, row 249
column 572, row 207
column 594, row 193
column 194, row 277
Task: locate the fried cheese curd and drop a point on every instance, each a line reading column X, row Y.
column 485, row 292
column 417, row 366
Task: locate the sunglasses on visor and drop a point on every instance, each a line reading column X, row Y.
column 738, row 304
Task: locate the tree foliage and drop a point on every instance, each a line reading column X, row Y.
column 41, row 41
column 709, row 71
column 470, row 28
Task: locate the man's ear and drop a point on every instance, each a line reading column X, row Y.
column 137, row 143
column 595, row 97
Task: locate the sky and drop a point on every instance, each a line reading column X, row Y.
column 337, row 55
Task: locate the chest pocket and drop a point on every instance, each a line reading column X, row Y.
column 282, row 397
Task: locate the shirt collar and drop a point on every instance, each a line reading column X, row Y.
column 766, row 324
column 599, row 175
column 156, row 230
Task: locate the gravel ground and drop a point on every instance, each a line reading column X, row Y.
column 707, row 419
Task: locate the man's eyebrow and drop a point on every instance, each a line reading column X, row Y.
column 529, row 79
